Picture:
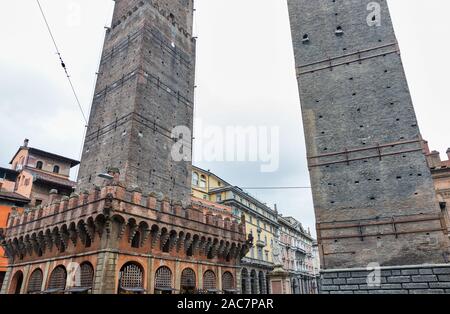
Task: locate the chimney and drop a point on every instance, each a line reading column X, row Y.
column 448, row 153
column 434, row 160
column 25, row 142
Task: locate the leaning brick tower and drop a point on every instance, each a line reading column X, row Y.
column 373, row 193
column 145, row 88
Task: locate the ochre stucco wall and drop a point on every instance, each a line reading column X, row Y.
column 4, row 211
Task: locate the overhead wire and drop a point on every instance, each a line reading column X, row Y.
column 277, row 188
column 63, row 64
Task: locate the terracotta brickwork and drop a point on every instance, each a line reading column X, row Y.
column 4, row 213
column 112, row 228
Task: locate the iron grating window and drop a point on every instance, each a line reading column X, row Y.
column 87, row 275
column 163, row 279
column 131, row 277
column 58, row 279
column 227, row 281
column 209, row 280
column 35, row 282
column 188, row 278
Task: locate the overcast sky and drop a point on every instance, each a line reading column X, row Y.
column 245, row 77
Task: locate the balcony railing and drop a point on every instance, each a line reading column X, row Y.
column 254, row 261
column 261, row 243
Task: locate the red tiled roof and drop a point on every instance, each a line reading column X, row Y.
column 210, row 204
column 40, row 152
column 13, row 197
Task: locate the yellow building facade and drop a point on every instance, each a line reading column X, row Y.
column 260, row 219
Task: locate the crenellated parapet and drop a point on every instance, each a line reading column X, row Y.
column 115, row 217
column 133, row 7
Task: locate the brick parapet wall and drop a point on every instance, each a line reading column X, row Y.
column 127, row 201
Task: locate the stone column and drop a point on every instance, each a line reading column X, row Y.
column 177, row 277
column 26, row 272
column 200, row 277
column 248, row 285
column 219, row 279
column 150, row 276
column 302, row 285
column 45, row 276
column 238, row 280
column 106, row 273
column 6, row 281
column 264, row 284
column 257, row 283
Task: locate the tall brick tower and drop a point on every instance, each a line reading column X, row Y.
column 145, row 89
column 373, row 192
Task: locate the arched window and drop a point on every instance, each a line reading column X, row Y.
column 165, row 246
column 131, row 279
column 253, row 282
column 35, row 282
column 209, row 281
column 190, row 250
column 227, row 282
column 56, row 169
column 136, row 242
column 202, row 181
column 86, row 275
column 188, row 281
column 88, row 242
column 163, row 280
column 294, row 286
column 57, row 282
column 262, row 286
column 244, row 282
column 39, row 165
column 195, row 179
column 16, row 283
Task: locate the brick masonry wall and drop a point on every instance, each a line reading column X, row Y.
column 363, row 142
column 426, row 279
column 145, row 88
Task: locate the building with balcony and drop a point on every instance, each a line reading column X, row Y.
column 264, row 224
column 33, row 174
column 297, row 255
column 260, row 222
